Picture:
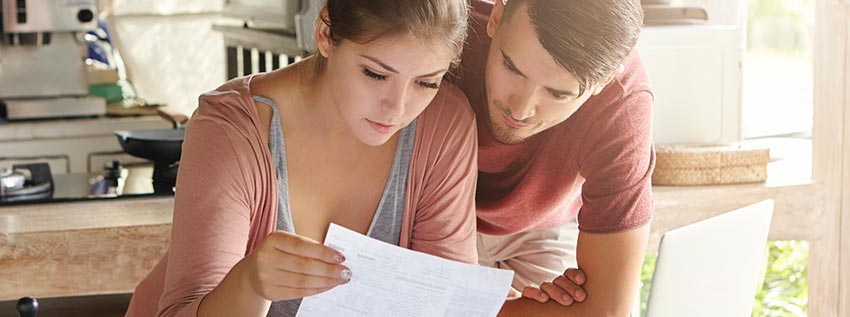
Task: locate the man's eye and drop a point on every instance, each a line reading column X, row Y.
column 373, row 75
column 510, row 67
column 429, row 85
column 558, row 95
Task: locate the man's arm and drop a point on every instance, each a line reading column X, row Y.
column 612, row 263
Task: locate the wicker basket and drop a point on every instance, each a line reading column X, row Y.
column 709, row 165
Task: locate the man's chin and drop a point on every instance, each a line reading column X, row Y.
column 505, row 135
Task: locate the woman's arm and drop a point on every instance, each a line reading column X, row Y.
column 212, row 217
column 208, row 273
column 285, row 266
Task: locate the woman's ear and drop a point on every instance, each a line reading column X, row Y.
column 324, row 41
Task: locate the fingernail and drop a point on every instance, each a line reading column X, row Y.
column 339, row 258
column 568, row 299
column 579, row 279
column 345, row 275
column 580, row 294
column 544, row 297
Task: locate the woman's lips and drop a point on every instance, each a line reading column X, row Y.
column 511, row 122
column 380, row 127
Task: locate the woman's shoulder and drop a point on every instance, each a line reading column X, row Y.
column 230, row 100
column 231, row 108
column 446, row 129
column 448, row 112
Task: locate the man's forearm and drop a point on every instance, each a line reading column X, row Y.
column 528, row 307
column 612, row 265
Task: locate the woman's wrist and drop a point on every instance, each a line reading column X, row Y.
column 236, row 293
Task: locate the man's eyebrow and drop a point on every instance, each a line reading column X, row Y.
column 511, row 63
column 550, row 89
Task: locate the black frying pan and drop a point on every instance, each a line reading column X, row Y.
column 154, row 145
column 163, row 147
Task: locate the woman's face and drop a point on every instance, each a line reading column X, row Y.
column 381, row 86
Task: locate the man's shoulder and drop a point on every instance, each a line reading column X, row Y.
column 629, row 91
column 634, row 78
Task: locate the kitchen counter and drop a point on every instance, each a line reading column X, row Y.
column 80, row 248
column 108, row 246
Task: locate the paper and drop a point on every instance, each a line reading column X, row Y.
column 388, row 280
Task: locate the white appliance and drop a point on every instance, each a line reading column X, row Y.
column 42, row 59
column 711, row 268
column 695, row 72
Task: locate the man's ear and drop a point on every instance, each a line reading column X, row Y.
column 608, row 80
column 495, row 17
column 324, row 41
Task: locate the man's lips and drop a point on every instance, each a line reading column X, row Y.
column 511, row 122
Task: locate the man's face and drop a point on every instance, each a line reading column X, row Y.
column 527, row 91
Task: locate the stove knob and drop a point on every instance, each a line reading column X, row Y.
column 27, row 307
column 85, row 15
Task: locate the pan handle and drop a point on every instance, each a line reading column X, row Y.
column 176, row 118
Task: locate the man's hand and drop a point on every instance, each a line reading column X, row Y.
column 565, row 289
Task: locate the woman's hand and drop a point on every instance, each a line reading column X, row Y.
column 288, row 266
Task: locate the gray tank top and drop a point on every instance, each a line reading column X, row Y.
column 386, row 224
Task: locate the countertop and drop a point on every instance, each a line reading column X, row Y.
column 81, row 248
column 108, row 246
column 86, row 215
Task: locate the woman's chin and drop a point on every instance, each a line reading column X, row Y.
column 375, row 140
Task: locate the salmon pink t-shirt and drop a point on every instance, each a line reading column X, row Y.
column 596, row 165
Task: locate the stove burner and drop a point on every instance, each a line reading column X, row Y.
column 39, row 184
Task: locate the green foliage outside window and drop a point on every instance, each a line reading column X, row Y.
column 784, row 289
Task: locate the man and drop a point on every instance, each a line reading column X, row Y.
column 563, row 110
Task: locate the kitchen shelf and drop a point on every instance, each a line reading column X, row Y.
column 799, row 200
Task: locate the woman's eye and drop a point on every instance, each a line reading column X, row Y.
column 373, row 75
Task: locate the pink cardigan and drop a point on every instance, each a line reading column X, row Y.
column 226, row 201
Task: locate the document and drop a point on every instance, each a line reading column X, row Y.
column 388, row 280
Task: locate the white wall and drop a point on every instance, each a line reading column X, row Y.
column 171, row 53
column 724, row 12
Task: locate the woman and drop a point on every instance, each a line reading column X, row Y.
column 361, row 150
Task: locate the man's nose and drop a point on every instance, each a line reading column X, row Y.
column 523, row 105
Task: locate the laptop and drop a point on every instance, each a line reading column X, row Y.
column 712, row 267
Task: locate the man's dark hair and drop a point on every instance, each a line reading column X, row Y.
column 588, row 38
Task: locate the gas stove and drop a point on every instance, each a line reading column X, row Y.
column 33, row 183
